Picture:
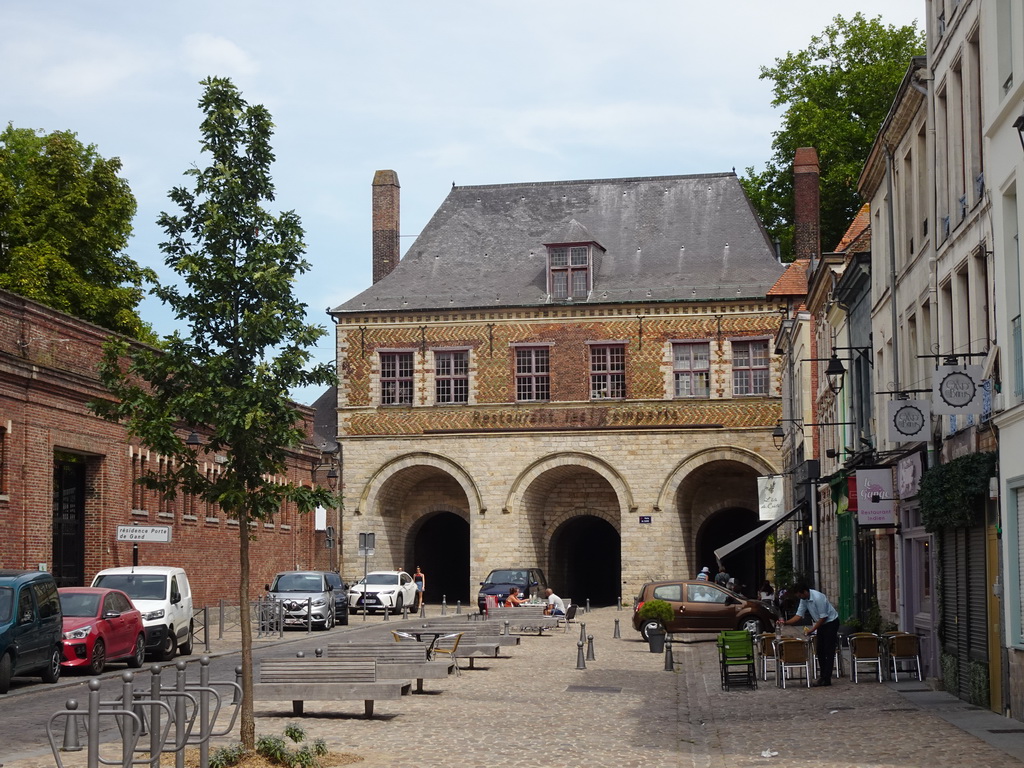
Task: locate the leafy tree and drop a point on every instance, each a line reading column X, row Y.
column 836, row 92
column 247, row 343
column 65, row 220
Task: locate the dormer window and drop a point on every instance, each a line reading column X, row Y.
column 569, row 271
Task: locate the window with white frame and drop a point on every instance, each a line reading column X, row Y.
column 691, row 368
column 569, row 271
column 607, row 371
column 750, row 370
column 533, row 374
column 396, row 369
column 451, row 377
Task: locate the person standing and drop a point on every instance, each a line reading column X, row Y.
column 722, row 578
column 704, row 574
column 421, row 582
column 817, row 608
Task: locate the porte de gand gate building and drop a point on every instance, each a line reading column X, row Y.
column 574, row 375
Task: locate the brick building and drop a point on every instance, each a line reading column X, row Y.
column 576, row 375
column 67, row 476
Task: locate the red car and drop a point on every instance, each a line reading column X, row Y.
column 100, row 625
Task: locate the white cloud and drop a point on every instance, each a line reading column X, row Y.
column 207, row 54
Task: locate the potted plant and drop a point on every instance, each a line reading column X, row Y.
column 655, row 616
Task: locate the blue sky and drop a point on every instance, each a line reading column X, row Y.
column 466, row 92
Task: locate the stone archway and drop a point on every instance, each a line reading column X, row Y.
column 585, row 553
column 440, row 546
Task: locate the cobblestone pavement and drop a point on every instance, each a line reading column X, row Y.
column 533, row 707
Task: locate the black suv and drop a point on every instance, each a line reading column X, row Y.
column 30, row 626
column 531, row 583
column 340, row 590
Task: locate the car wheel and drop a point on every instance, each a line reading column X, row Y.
column 751, row 624
column 52, row 672
column 139, row 655
column 649, row 626
column 399, row 603
column 328, row 622
column 167, row 649
column 186, row 648
column 5, row 672
column 98, row 662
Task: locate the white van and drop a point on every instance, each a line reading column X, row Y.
column 164, row 596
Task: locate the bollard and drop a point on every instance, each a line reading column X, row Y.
column 669, row 663
column 580, row 662
column 319, row 653
column 71, row 742
column 205, row 726
column 300, row 655
column 616, row 634
column 458, row 607
column 590, row 648
column 588, row 606
column 140, row 712
column 92, row 725
column 128, row 730
column 180, row 717
column 504, row 629
column 155, row 710
column 583, row 631
column 423, row 609
column 405, row 613
column 387, row 613
column 309, row 615
column 220, row 621
column 236, row 698
column 618, row 605
column 444, row 605
column 206, row 628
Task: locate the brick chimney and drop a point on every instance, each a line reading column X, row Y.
column 806, row 205
column 386, row 220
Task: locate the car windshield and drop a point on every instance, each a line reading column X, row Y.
column 508, row 577
column 6, row 604
column 380, row 578
column 298, row 582
column 138, row 586
column 79, row 603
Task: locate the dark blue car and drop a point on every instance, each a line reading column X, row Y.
column 531, row 583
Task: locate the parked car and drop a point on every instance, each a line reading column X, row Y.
column 101, row 625
column 30, row 626
column 340, row 591
column 164, row 597
column 703, row 606
column 531, row 583
column 306, row 596
column 382, row 591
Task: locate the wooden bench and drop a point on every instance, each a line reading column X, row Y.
column 399, row 661
column 301, row 679
column 473, row 643
column 523, row 618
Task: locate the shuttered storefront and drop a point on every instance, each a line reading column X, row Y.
column 963, row 612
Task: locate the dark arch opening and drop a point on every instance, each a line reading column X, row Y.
column 585, row 561
column 746, row 565
column 441, row 549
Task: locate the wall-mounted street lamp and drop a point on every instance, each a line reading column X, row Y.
column 835, row 371
column 779, row 434
column 1019, row 125
column 194, row 439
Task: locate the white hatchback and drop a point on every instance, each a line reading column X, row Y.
column 382, row 591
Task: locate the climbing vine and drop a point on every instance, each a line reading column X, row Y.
column 952, row 494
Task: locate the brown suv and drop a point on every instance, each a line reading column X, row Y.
column 703, row 606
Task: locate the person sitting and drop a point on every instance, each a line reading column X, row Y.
column 555, row 606
column 513, row 598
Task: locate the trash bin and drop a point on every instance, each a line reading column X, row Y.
column 656, row 640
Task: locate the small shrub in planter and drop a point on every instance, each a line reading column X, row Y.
column 656, row 610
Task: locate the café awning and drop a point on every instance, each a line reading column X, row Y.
column 759, row 533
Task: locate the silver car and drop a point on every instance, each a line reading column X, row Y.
column 305, row 596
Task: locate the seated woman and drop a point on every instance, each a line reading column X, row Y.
column 513, row 598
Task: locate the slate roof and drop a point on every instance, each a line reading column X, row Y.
column 664, row 238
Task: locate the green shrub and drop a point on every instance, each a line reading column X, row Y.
column 656, row 610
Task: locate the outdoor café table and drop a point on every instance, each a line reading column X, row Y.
column 433, row 634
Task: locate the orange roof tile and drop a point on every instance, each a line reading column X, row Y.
column 860, row 222
column 792, row 282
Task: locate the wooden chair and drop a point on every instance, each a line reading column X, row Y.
column 905, row 648
column 865, row 648
column 793, row 654
column 766, row 654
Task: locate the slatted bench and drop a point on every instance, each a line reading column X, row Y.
column 301, row 679
column 395, row 660
column 523, row 618
column 472, row 645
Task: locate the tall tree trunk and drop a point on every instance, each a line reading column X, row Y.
column 247, row 726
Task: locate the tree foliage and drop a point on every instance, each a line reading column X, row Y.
column 65, row 220
column 836, row 94
column 246, row 346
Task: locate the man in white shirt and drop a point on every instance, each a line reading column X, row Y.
column 816, row 607
column 555, row 606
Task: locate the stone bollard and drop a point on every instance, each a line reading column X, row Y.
column 423, row 609
column 618, row 605
column 504, row 629
column 71, row 740
column 616, row 634
column 669, row 663
column 444, row 605
column 590, row 648
column 580, row 662
column 588, row 606
column 387, row 614
column 458, row 607
column 583, row 631
column 405, row 613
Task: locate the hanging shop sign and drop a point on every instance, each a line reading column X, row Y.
column 909, row 420
column 958, row 389
column 876, row 505
column 908, row 475
column 769, row 496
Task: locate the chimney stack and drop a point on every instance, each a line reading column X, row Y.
column 386, row 220
column 806, row 205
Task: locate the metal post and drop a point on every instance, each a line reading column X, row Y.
column 583, row 631
column 220, row 620
column 423, row 609
column 180, row 725
column 309, row 615
column 92, row 725
column 387, row 612
column 205, row 726
column 590, row 648
column 504, row 629
column 319, row 653
column 279, row 610
column 206, row 627
column 588, row 605
column 444, row 605
column 405, row 613
column 580, row 661
column 618, row 605
column 154, row 714
column 128, row 729
column 236, row 698
column 616, row 634
column 669, row 663
column 458, row 607
column 71, row 742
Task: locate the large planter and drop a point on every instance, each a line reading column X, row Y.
column 656, row 640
